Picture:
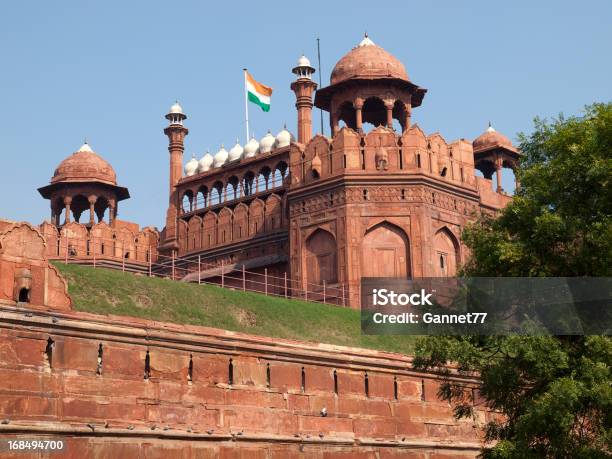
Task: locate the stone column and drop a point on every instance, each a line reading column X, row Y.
column 67, row 201
column 358, row 106
column 112, row 213
column 334, row 124
column 389, row 108
column 498, row 173
column 408, row 108
column 92, row 213
column 517, row 182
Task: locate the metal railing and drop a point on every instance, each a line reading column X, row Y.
column 144, row 259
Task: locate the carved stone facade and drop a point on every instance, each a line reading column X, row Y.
column 386, row 202
column 26, row 277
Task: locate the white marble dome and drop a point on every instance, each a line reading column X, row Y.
column 176, row 109
column 236, row 152
column 283, row 138
column 303, row 61
column 205, row 162
column 191, row 167
column 221, row 157
column 266, row 143
column 251, row 148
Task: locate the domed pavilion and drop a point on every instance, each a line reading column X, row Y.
column 357, row 82
column 84, row 181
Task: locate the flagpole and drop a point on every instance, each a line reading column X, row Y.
column 246, row 106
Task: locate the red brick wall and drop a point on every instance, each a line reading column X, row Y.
column 270, row 410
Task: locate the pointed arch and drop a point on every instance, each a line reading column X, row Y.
column 446, row 255
column 386, row 251
column 320, row 256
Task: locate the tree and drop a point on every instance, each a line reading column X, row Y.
column 554, row 393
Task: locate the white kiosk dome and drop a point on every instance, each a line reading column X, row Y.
column 266, row 143
column 205, row 162
column 176, row 109
column 250, row 149
column 283, row 138
column 221, row 157
column 236, row 152
column 191, row 167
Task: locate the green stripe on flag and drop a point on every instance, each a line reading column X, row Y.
column 253, row 98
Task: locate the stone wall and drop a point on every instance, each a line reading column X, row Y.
column 122, row 387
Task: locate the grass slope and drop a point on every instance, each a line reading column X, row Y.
column 105, row 291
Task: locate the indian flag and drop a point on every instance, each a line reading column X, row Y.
column 258, row 93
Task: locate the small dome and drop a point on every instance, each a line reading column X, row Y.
column 251, row 148
column 491, row 139
column 191, row 167
column 221, row 157
column 267, row 143
column 176, row 109
column 84, row 165
column 368, row 61
column 303, row 61
column 205, row 162
column 283, row 138
column 236, row 152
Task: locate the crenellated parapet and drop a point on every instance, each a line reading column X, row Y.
column 102, row 244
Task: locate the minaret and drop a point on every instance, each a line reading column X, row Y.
column 303, row 87
column 176, row 133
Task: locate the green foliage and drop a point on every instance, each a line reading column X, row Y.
column 559, row 222
column 105, row 291
column 553, row 393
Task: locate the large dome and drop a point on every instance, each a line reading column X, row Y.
column 84, row 166
column 368, row 61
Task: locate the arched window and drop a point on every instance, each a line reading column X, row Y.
column 233, row 188
column 202, row 198
column 216, row 194
column 262, row 179
column 187, row 202
column 277, row 178
column 248, row 183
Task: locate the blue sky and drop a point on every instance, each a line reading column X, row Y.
column 110, row 70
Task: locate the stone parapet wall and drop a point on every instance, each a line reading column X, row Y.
column 123, row 387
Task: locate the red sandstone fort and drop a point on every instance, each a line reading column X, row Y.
column 313, row 215
column 318, row 210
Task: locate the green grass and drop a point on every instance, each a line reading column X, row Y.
column 106, row 291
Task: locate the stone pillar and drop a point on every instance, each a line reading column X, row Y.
column 517, row 182
column 498, row 173
column 389, row 108
column 112, row 213
column 358, row 106
column 303, row 89
column 92, row 213
column 67, row 201
column 408, row 108
column 334, row 124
